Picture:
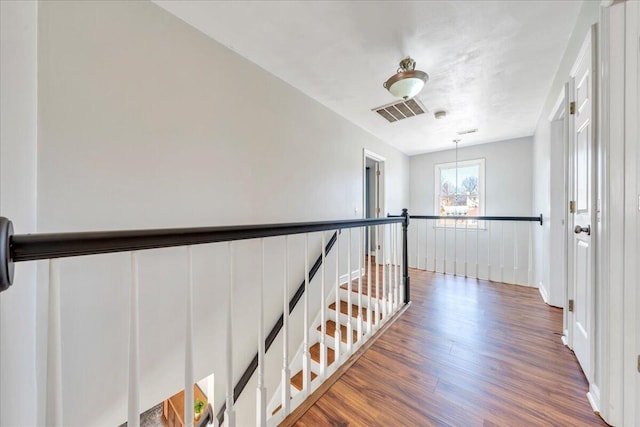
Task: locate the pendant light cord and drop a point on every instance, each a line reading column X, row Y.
column 455, row 197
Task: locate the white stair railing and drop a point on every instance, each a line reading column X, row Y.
column 451, row 245
column 317, row 358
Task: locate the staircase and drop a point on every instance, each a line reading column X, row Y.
column 354, row 321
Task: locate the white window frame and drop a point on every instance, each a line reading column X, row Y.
column 481, row 189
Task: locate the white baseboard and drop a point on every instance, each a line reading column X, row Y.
column 594, row 398
column 543, row 293
column 564, row 340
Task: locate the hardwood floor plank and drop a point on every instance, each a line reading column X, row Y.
column 466, row 353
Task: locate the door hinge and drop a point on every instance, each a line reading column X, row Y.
column 377, row 210
column 572, row 207
column 572, row 108
column 639, row 363
column 571, row 305
column 378, row 173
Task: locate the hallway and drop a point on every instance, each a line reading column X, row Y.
column 466, row 353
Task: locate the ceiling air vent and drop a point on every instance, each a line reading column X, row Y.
column 400, row 110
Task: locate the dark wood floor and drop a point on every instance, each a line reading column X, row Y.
column 466, row 353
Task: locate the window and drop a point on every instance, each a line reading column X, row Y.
column 459, row 194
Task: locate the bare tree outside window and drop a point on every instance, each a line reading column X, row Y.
column 459, row 191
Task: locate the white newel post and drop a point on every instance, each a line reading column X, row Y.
column 229, row 414
column 133, row 419
column 261, row 392
column 286, row 376
column 188, row 344
column 54, row 350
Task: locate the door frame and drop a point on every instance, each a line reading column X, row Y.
column 379, row 184
column 560, row 112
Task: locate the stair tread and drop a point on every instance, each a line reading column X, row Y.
column 331, row 331
column 315, row 354
column 354, row 287
column 296, row 380
column 344, row 309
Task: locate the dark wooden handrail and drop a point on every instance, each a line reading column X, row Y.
column 479, row 218
column 31, row 247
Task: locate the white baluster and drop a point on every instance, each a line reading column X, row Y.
column 306, row 358
column 426, row 244
column 383, row 245
column 286, row 375
column 396, row 270
column 360, row 308
column 435, row 245
column 133, row 419
column 377, row 273
column 477, row 248
column 323, row 320
column 230, row 413
column 489, row 251
column 466, row 232
column 502, row 251
column 369, row 311
column 417, row 246
column 211, row 392
column 530, row 266
column 515, row 252
column 54, row 349
column 392, row 269
column 455, row 246
column 337, row 337
column 188, row 345
column 401, row 265
column 261, row 392
column 349, row 292
column 444, row 269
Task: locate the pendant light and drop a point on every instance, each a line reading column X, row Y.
column 407, row 82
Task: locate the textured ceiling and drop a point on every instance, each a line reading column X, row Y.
column 491, row 63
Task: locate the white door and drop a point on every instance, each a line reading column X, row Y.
column 583, row 193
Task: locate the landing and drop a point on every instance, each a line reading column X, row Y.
column 466, row 353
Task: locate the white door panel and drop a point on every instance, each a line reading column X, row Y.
column 581, row 264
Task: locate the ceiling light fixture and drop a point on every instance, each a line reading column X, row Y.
column 407, row 82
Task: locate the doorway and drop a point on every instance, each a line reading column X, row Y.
column 373, row 195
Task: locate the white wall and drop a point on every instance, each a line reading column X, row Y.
column 145, row 122
column 508, row 178
column 542, row 149
column 18, row 144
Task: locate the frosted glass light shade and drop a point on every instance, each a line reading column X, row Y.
column 406, row 84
